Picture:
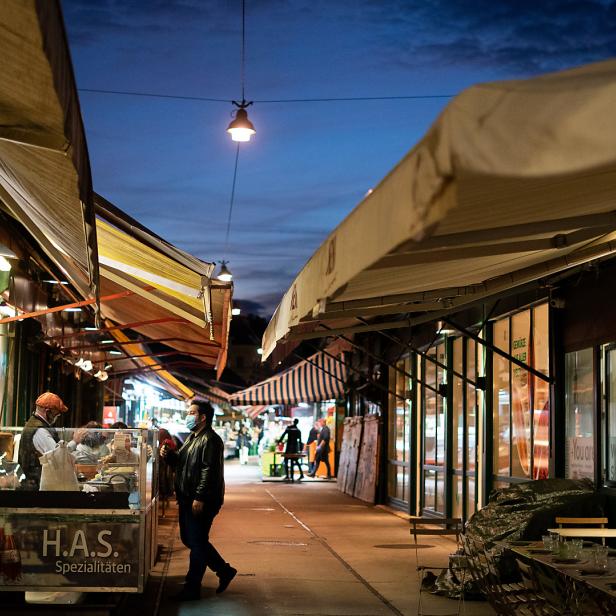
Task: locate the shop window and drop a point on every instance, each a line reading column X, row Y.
column 399, row 432
column 501, row 400
column 433, row 405
column 610, row 399
column 521, row 408
column 579, row 412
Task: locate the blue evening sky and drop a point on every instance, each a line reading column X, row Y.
column 169, row 163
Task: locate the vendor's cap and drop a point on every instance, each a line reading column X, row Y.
column 51, row 401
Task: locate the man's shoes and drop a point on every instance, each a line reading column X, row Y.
column 311, row 475
column 225, row 577
column 188, row 593
column 301, row 476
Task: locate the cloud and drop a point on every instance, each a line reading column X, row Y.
column 512, row 36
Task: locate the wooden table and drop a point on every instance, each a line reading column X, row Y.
column 572, row 572
column 287, row 456
column 597, row 533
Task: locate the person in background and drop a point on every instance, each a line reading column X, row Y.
column 39, row 436
column 200, row 492
column 313, row 435
column 243, row 443
column 88, row 444
column 294, row 446
column 165, row 471
column 323, row 451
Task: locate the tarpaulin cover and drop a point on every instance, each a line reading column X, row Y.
column 524, row 512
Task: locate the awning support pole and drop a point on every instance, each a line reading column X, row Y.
column 100, row 345
column 427, row 357
column 495, row 349
column 364, row 377
column 206, row 296
column 380, row 359
column 85, row 332
column 85, row 302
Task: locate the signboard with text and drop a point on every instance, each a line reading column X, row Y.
column 580, row 457
column 88, row 551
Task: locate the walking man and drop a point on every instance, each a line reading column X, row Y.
column 323, row 452
column 200, row 490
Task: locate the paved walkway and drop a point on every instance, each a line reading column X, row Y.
column 301, row 550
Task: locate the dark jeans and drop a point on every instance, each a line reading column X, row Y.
column 288, row 467
column 195, row 535
column 322, row 457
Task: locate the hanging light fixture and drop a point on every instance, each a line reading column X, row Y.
column 241, row 128
column 224, row 275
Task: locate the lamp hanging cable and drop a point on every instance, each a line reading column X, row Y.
column 231, row 201
column 241, row 128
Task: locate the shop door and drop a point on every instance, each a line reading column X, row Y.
column 433, row 432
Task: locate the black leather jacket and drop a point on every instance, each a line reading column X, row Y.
column 199, row 469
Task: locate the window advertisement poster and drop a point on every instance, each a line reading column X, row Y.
column 580, row 457
column 86, row 552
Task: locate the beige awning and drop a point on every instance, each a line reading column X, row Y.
column 45, row 180
column 514, row 181
column 175, row 301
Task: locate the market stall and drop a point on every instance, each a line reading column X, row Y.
column 91, row 523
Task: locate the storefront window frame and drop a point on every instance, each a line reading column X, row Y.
column 497, row 480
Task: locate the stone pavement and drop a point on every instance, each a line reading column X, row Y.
column 301, row 549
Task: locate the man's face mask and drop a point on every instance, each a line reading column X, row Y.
column 191, row 421
column 51, row 417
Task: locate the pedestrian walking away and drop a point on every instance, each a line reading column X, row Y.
column 294, row 446
column 200, row 490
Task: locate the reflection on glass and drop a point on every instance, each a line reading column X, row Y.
column 520, row 396
column 440, row 492
column 456, row 496
column 611, row 415
column 501, row 400
column 470, row 496
column 458, row 408
column 429, row 490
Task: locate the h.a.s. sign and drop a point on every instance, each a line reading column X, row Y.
column 69, row 551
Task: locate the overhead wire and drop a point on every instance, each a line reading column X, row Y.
column 325, row 99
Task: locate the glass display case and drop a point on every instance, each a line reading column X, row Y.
column 85, row 516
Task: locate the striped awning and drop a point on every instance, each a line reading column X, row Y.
column 254, row 411
column 320, row 377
